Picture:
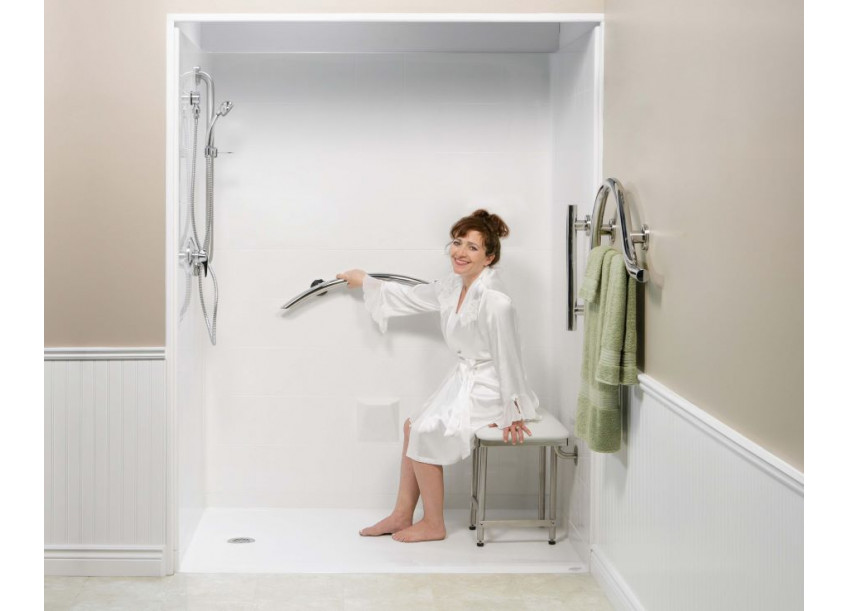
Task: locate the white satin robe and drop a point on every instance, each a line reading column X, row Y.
column 487, row 385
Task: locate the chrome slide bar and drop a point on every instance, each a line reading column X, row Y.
column 320, row 286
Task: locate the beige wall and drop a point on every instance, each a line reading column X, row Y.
column 104, row 158
column 703, row 124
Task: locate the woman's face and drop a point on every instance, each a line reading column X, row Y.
column 468, row 255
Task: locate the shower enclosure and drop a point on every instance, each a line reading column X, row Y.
column 356, row 141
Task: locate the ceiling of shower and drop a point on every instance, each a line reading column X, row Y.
column 381, row 37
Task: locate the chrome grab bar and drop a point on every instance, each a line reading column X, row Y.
column 319, row 287
column 593, row 226
column 628, row 239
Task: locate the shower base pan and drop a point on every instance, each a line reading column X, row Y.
column 328, row 541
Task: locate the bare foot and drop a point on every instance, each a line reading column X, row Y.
column 421, row 531
column 387, row 526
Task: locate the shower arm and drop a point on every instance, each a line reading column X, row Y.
column 320, row 286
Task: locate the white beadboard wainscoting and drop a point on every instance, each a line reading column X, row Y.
column 104, row 461
column 690, row 514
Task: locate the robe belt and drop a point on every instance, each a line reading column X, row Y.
column 457, row 420
column 460, row 415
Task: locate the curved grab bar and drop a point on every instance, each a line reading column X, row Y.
column 323, row 286
column 594, row 227
column 623, row 214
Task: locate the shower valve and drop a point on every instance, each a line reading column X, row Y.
column 196, row 258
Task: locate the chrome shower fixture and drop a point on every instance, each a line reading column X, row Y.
column 223, row 110
column 198, row 254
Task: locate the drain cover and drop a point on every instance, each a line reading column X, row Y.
column 241, row 540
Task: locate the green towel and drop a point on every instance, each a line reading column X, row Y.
column 609, row 348
column 592, row 279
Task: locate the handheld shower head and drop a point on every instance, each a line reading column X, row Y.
column 224, row 108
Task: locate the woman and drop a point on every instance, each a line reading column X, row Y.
column 486, row 388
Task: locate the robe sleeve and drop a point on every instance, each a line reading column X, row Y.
column 386, row 299
column 518, row 401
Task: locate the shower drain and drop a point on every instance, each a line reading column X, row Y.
column 241, row 540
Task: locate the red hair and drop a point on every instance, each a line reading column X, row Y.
column 490, row 226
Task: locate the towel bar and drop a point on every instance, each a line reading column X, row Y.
column 592, row 225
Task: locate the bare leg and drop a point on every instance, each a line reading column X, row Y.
column 407, row 499
column 432, row 526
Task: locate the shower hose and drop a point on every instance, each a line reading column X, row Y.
column 211, row 323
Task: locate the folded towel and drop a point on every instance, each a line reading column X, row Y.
column 609, row 348
column 617, row 359
column 629, row 373
column 592, row 278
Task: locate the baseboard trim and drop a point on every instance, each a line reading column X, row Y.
column 614, row 586
column 104, row 354
column 105, row 560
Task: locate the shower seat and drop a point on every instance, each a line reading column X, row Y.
column 548, row 433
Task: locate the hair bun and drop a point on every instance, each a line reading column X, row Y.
column 494, row 221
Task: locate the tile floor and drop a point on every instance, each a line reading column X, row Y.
column 342, row 592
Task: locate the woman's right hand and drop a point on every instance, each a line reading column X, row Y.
column 353, row 277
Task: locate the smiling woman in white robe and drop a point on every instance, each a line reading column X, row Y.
column 486, row 387
column 488, row 383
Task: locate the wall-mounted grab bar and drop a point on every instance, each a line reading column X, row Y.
column 629, row 239
column 320, row 286
column 593, row 226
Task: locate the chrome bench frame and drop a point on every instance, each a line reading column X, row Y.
column 547, row 487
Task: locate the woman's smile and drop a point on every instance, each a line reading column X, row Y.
column 468, row 256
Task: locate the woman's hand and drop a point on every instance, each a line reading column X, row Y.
column 516, row 431
column 353, row 277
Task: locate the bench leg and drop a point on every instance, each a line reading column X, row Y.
column 475, row 469
column 552, row 532
column 542, row 482
column 482, row 496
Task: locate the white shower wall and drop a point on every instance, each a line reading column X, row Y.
column 576, row 98
column 362, row 160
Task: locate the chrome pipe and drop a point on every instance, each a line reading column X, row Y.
column 518, row 523
column 475, row 471
column 553, row 493
column 323, row 286
column 570, row 253
column 542, row 460
column 574, row 224
column 199, row 75
column 561, row 453
column 481, row 512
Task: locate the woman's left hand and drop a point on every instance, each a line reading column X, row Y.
column 516, row 431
